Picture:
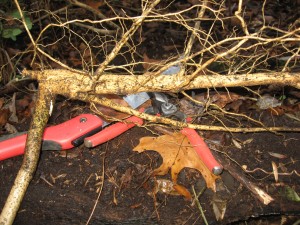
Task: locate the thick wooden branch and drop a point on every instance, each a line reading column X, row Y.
column 78, row 86
column 69, row 83
column 31, row 157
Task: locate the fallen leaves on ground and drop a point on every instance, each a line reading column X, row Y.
column 221, row 99
column 177, row 153
column 25, row 106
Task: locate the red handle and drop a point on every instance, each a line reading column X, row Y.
column 112, row 131
column 12, row 147
column 60, row 137
column 202, row 150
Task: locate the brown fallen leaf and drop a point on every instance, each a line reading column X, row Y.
column 221, row 99
column 25, row 106
column 4, row 115
column 177, row 153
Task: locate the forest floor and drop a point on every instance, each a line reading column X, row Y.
column 114, row 184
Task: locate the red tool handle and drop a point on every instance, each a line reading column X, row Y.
column 202, row 150
column 12, row 147
column 60, row 137
column 112, row 131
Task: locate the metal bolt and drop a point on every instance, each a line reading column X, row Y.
column 83, row 119
column 168, row 108
column 217, row 170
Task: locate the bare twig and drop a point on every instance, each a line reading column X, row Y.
column 100, row 189
column 35, row 45
column 199, row 205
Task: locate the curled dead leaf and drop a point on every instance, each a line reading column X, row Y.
column 177, row 153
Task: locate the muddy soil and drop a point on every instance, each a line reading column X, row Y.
column 66, row 186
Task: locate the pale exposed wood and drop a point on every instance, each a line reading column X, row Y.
column 71, row 83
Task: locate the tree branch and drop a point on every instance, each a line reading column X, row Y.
column 30, row 161
column 69, row 83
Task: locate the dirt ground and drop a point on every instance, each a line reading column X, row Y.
column 66, row 184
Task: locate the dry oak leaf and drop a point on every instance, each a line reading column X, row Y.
column 177, row 153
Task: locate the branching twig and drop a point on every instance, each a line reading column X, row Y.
column 199, row 205
column 35, row 45
column 156, row 119
column 136, row 24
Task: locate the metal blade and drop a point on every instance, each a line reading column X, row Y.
column 136, row 100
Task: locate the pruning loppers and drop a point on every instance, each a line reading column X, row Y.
column 60, row 137
column 85, row 128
